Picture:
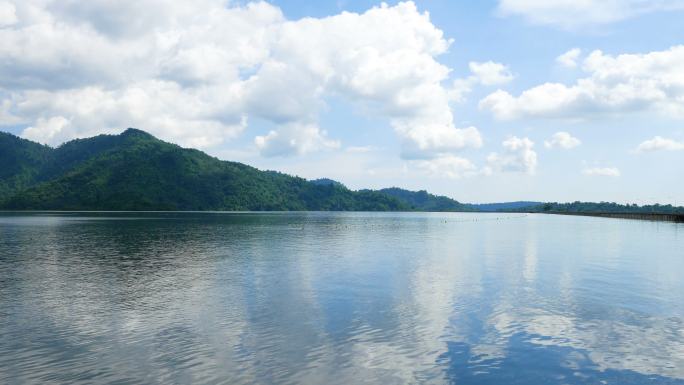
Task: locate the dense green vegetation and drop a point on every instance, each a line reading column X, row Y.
column 326, row 182
column 20, row 163
column 601, row 207
column 136, row 171
column 424, row 201
column 505, row 206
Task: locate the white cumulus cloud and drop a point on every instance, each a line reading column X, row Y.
column 614, row 85
column 569, row 58
column 490, row 73
column 563, row 140
column 293, row 139
column 8, row 13
column 659, row 143
column 426, row 141
column 571, row 14
column 518, row 156
column 195, row 72
column 447, row 166
column 602, row 171
column 485, row 73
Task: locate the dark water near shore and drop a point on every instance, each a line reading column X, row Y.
column 340, row 298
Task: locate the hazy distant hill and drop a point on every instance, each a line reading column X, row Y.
column 424, row 201
column 505, row 206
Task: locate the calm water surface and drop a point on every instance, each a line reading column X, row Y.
column 339, row 298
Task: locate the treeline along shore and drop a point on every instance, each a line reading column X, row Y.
column 642, row 216
column 655, row 212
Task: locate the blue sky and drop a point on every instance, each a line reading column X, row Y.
column 481, row 101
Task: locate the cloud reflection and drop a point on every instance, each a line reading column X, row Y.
column 337, row 299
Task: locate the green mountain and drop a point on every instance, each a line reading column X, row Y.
column 136, row 171
column 20, row 163
column 424, row 201
column 327, row 182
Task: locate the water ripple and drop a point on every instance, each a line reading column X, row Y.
column 338, row 298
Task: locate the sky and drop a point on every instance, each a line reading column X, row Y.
column 482, row 101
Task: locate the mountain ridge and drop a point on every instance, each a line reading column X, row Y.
column 136, row 171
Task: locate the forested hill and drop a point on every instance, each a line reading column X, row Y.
column 601, row 207
column 21, row 162
column 136, row 171
column 424, row 201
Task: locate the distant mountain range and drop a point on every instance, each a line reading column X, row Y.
column 136, row 171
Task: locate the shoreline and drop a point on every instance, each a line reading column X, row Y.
column 661, row 217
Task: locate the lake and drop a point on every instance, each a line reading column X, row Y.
column 339, row 298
